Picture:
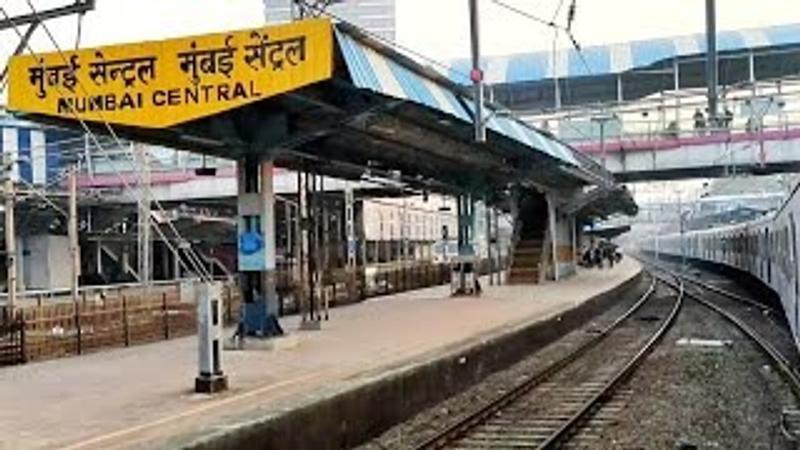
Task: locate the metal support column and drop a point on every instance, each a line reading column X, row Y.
column 315, row 259
column 574, row 229
column 476, row 74
column 289, row 247
column 325, row 248
column 72, row 231
column 498, row 253
column 361, row 239
column 551, row 216
column 489, row 257
column 176, row 262
column 143, row 241
column 350, row 232
column 404, row 231
column 10, row 231
column 98, row 248
column 465, row 273
column 711, row 62
column 256, row 242
column 310, row 249
column 676, row 86
column 303, row 245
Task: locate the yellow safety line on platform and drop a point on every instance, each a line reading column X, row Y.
column 187, row 413
column 409, row 352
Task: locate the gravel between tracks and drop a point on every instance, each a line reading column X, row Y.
column 683, row 396
column 435, row 419
column 690, row 396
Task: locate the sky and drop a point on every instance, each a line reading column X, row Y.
column 438, row 29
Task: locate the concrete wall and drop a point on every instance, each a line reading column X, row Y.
column 564, row 250
column 45, row 262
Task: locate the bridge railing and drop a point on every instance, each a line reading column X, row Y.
column 666, row 139
column 676, row 115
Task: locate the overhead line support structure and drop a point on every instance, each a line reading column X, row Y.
column 10, row 232
column 78, row 7
column 476, row 74
column 711, row 61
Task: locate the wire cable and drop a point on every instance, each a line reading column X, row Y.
column 523, row 13
column 96, row 141
column 386, row 40
column 191, row 254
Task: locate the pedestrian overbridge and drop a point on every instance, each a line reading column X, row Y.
column 318, row 98
column 703, row 153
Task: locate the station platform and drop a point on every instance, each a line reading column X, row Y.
column 141, row 397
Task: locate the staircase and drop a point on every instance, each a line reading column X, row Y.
column 530, row 234
column 526, row 262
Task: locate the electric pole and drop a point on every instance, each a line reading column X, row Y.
column 142, row 156
column 11, row 247
column 72, row 231
column 476, row 74
column 711, row 62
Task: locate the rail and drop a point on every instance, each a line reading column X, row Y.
column 462, row 427
column 777, row 359
column 607, row 391
column 781, row 362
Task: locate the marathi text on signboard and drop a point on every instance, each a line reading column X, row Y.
column 163, row 83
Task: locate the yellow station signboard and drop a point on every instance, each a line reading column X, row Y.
column 158, row 84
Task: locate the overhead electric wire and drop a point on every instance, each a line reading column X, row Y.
column 191, row 254
column 202, row 270
column 523, row 13
column 320, row 9
column 553, row 24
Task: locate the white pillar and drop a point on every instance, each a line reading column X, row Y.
column 256, row 246
column 210, row 377
column 72, row 231
column 574, row 226
column 676, row 86
column 143, row 251
column 11, row 238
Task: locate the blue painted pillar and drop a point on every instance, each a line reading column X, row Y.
column 256, row 247
column 466, row 225
column 464, row 273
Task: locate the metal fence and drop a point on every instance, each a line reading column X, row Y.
column 12, row 338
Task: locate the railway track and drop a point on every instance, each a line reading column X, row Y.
column 755, row 330
column 762, row 320
column 547, row 409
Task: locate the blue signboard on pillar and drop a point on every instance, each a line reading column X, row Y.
column 252, row 250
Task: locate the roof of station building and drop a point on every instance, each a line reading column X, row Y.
column 621, row 57
column 379, row 69
column 381, row 114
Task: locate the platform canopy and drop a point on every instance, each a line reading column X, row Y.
column 632, row 70
column 309, row 94
column 624, row 56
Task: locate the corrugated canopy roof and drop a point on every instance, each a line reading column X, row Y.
column 380, row 72
column 620, row 57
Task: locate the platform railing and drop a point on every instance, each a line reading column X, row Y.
column 93, row 292
column 128, row 314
